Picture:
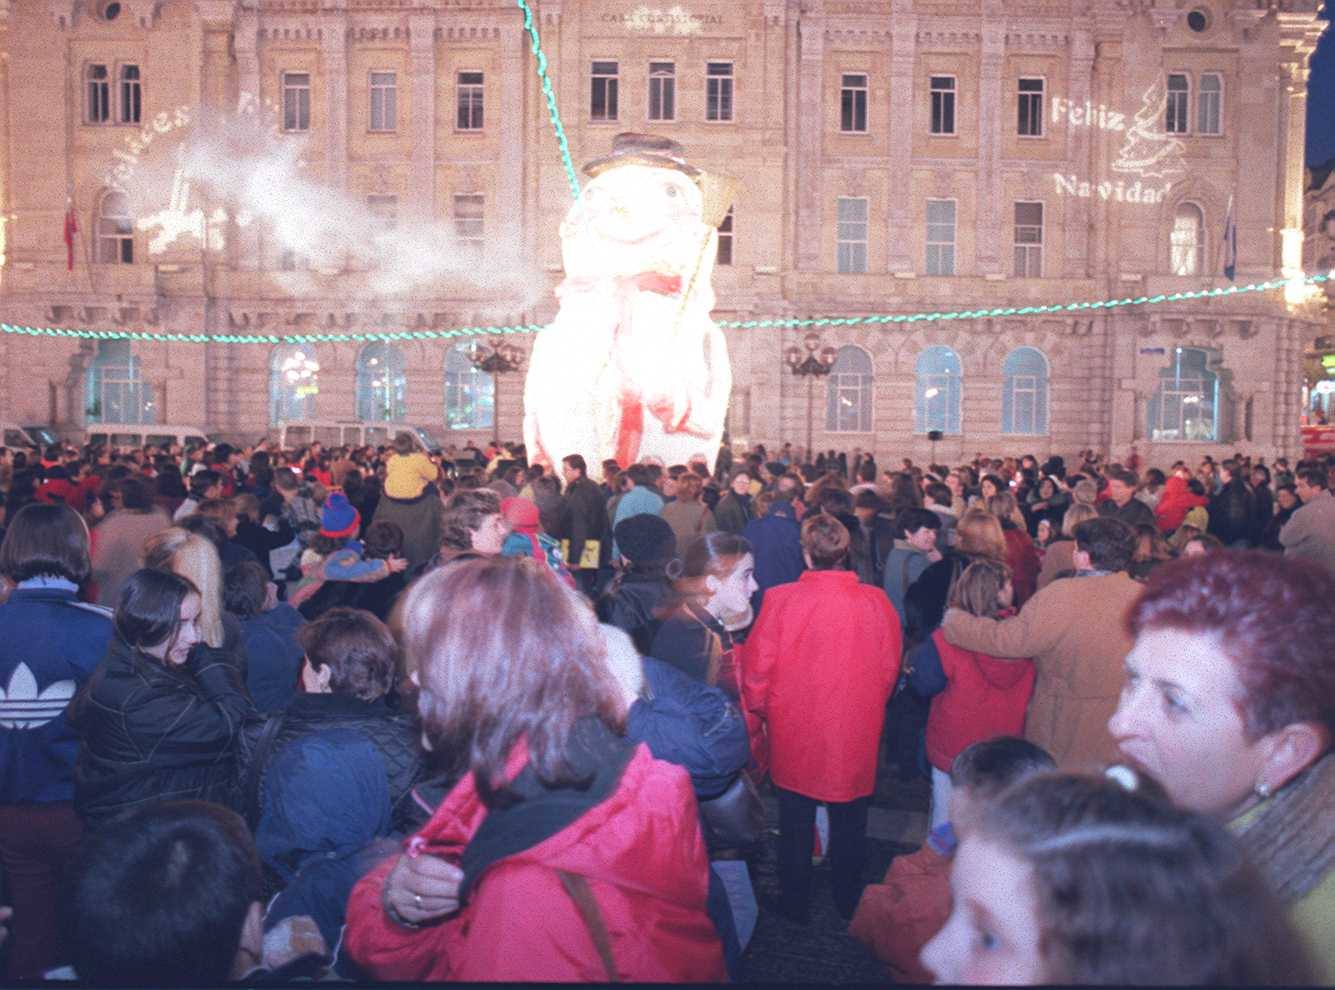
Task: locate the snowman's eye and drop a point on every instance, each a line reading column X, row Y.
column 671, row 191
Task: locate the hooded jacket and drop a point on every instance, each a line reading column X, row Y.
column 638, row 850
column 632, row 601
column 1176, row 502
column 974, row 696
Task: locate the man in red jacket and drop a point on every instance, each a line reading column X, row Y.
column 818, row 669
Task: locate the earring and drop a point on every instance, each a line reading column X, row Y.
column 1262, row 790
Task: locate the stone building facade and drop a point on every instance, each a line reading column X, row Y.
column 895, row 157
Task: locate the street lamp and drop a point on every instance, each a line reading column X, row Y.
column 496, row 359
column 816, row 364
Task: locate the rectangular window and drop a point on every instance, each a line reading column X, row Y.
column 940, row 237
column 718, row 91
column 1210, row 104
column 293, row 261
column 943, row 104
column 468, row 223
column 662, row 91
column 296, row 101
column 384, row 101
column 1179, row 100
column 603, row 96
column 853, row 103
column 97, row 98
column 468, row 87
column 851, row 235
column 385, row 210
column 725, row 240
column 1030, row 122
column 131, row 95
column 1028, row 240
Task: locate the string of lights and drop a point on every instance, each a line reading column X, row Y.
column 882, row 319
column 540, row 57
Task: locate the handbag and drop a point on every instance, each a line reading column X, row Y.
column 736, row 818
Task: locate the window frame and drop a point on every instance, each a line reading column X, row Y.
column 611, row 86
column 393, row 89
column 1038, row 390
column 951, row 384
column 861, row 385
column 284, row 89
column 1200, row 259
column 133, row 389
column 121, row 239
column 1026, row 246
column 933, row 93
column 463, row 385
column 304, row 406
column 395, row 392
column 89, row 118
column 667, row 91
column 1021, row 96
column 123, row 88
column 1219, row 105
column 1210, row 384
column 474, row 244
column 1184, row 97
column 842, row 243
column 731, row 80
column 848, row 102
column 928, row 243
column 725, row 236
column 470, row 89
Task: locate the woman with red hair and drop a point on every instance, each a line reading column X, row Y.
column 1229, row 702
column 580, row 853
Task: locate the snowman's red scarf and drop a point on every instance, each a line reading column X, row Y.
column 630, row 428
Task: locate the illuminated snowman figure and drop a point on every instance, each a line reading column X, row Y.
column 633, row 365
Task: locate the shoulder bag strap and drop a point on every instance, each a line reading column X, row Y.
column 577, row 889
column 251, row 793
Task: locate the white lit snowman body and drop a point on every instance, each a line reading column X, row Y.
column 632, row 365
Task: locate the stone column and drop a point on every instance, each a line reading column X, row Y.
column 903, row 53
column 1080, row 68
column 422, row 90
column 334, row 66
column 510, row 176
column 807, row 153
column 243, row 245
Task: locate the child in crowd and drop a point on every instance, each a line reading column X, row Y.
column 974, row 696
column 337, row 554
column 526, row 538
column 1073, row 879
column 897, row 917
column 409, row 470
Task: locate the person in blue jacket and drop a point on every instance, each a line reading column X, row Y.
column 50, row 644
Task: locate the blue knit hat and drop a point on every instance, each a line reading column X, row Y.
column 338, row 519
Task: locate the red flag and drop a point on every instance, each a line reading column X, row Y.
column 71, row 228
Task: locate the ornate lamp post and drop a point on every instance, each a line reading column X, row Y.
column 496, row 359
column 816, row 364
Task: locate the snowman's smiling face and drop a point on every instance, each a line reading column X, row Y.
column 634, row 204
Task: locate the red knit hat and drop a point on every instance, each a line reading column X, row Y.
column 521, row 514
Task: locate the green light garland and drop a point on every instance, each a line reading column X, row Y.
column 541, row 58
column 786, row 323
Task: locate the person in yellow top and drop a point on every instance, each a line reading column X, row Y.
column 409, row 470
column 1228, row 703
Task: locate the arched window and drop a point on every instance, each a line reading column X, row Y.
column 114, row 233
column 940, row 387
column 1186, row 404
column 1188, row 240
column 294, row 382
column 114, row 389
column 381, row 384
column 470, row 394
column 1024, row 393
column 848, row 394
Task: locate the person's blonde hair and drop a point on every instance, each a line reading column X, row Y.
column 978, row 534
column 1005, row 507
column 194, row 558
column 977, row 589
column 1078, row 512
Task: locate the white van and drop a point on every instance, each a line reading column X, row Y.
column 348, row 433
column 16, row 436
column 131, row 435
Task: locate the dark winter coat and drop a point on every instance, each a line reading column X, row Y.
column 631, row 604
column 776, row 545
column 584, row 517
column 1263, row 508
column 733, row 512
column 691, row 724
column 260, row 541
column 153, row 733
column 394, row 734
column 1232, row 511
column 273, row 656
column 50, row 644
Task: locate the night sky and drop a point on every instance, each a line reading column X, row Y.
column 1321, row 99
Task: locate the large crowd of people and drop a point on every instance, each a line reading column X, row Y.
column 383, row 714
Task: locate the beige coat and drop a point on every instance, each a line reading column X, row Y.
column 1074, row 630
column 1057, row 558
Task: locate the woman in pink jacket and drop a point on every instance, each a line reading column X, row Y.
column 818, row 669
